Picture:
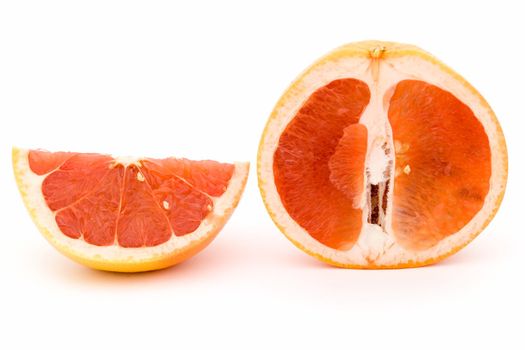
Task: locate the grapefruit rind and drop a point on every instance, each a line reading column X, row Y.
column 114, row 257
column 343, row 63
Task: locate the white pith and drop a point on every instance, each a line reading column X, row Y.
column 376, row 246
column 31, row 188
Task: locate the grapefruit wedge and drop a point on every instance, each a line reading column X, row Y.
column 127, row 214
column 380, row 156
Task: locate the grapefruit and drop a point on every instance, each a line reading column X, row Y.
column 127, row 214
column 380, row 156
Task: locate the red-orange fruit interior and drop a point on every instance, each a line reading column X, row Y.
column 301, row 170
column 319, row 163
column 448, row 154
column 139, row 205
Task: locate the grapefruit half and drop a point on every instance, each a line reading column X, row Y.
column 127, row 214
column 380, row 156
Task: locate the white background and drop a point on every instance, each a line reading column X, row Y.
column 199, row 80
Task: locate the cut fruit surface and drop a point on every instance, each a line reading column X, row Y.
column 301, row 162
column 448, row 155
column 132, row 214
column 347, row 163
column 380, row 156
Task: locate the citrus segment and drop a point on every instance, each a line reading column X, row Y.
column 184, row 205
column 206, row 176
column 347, row 164
column 42, row 162
column 92, row 215
column 78, row 176
column 141, row 219
column 443, row 163
column 302, row 175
